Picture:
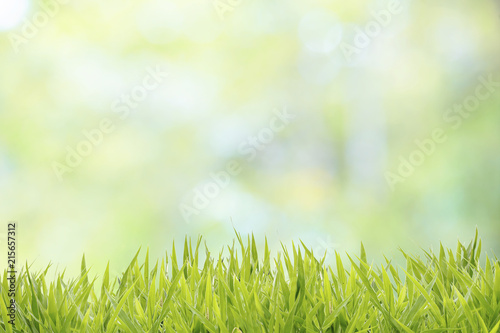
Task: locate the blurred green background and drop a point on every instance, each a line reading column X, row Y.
column 68, row 66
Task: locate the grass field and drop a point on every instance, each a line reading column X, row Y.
column 242, row 290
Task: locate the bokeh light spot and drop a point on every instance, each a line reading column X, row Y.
column 12, row 13
column 320, row 31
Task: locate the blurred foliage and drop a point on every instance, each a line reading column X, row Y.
column 323, row 176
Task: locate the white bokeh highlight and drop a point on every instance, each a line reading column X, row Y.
column 160, row 22
column 12, row 13
column 320, row 31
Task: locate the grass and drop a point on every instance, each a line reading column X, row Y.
column 242, row 292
